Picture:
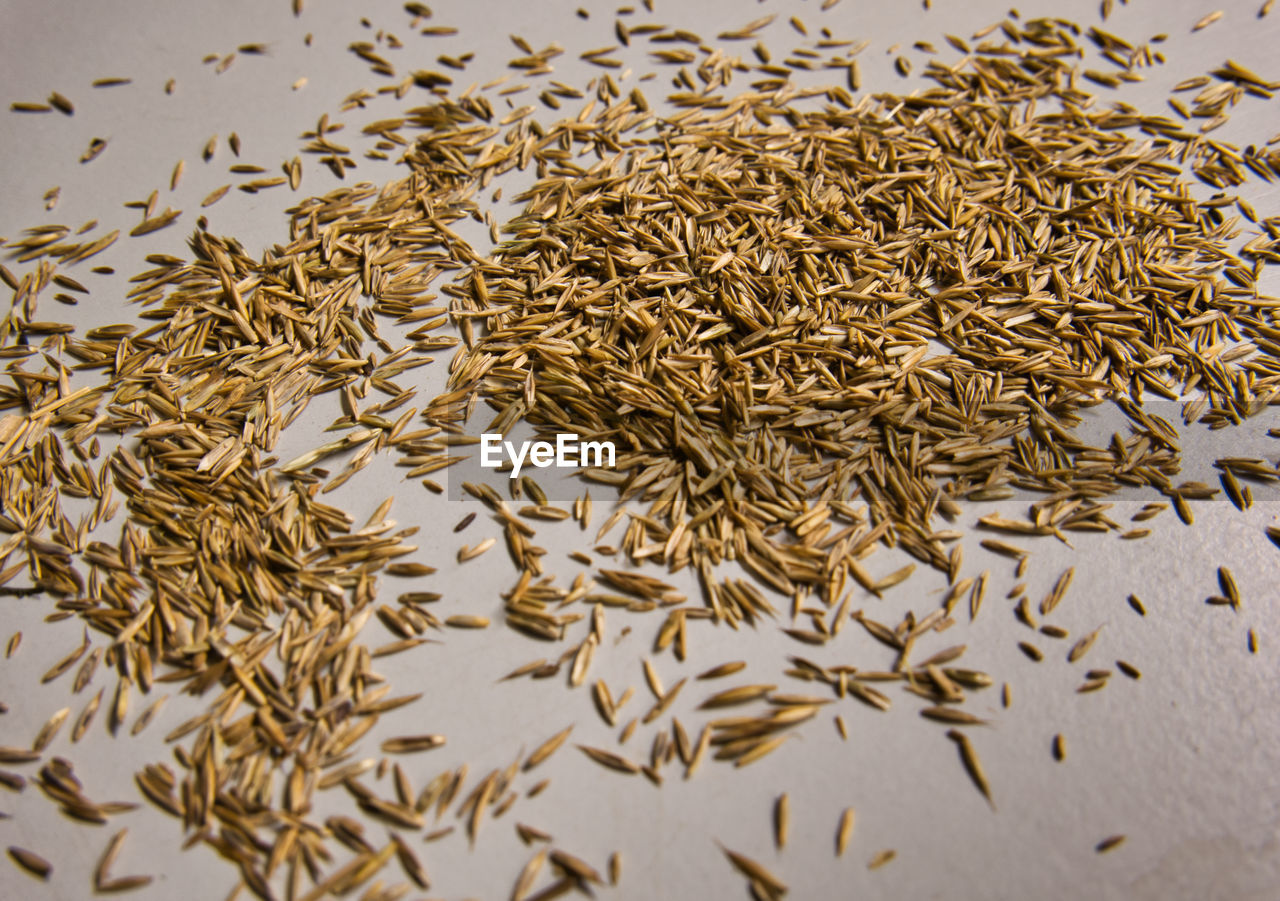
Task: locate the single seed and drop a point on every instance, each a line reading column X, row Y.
column 1128, row 669
column 1110, row 843
column 844, row 831
column 1207, row 20
column 466, row 553
column 31, row 862
column 408, row 744
column 972, row 764
column 880, row 858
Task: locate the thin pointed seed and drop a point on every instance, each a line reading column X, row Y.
column 844, row 831
column 972, row 765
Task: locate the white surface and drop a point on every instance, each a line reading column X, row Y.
column 1186, row 761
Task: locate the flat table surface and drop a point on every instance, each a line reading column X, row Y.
column 1184, row 761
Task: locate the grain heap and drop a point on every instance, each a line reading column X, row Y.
column 814, row 323
column 903, row 300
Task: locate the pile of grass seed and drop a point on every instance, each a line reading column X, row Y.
column 813, row 323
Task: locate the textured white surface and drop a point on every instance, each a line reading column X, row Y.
column 1186, row 761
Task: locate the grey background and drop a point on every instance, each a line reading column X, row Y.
column 1183, row 761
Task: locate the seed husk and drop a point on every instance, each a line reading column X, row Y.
column 1032, row 652
column 215, row 195
column 408, row 744
column 878, row 330
column 471, row 552
column 844, row 831
column 1227, row 581
column 723, row 669
column 67, row 662
column 972, row 765
column 467, row 621
column 547, row 748
column 1128, row 669
column 755, row 872
column 1110, row 843
column 1082, row 647
column 123, row 884
column 741, row 694
column 1207, row 20
column 61, row 104
column 610, row 760
column 86, row 717
column 50, row 729
column 880, row 858
column 31, row 862
column 952, row 715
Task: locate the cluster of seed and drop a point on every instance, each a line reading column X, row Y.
column 813, row 323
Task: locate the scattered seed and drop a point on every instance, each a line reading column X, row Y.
column 61, row 104
column 1110, row 843
column 1207, row 20
column 972, row 764
column 1128, row 669
column 844, row 831
column 31, row 862
column 466, row 553
column 408, row 744
column 880, row 858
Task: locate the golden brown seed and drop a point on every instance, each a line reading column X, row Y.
column 50, row 729
column 1129, row 669
column 408, row 744
column 609, row 759
column 880, row 858
column 61, row 103
column 469, row 553
column 31, row 862
column 844, row 831
column 1107, row 844
column 972, row 764
column 1082, row 647
column 1207, row 20
column 547, row 748
column 944, row 714
column 215, row 195
column 755, row 872
column 724, row 669
column 467, row 621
